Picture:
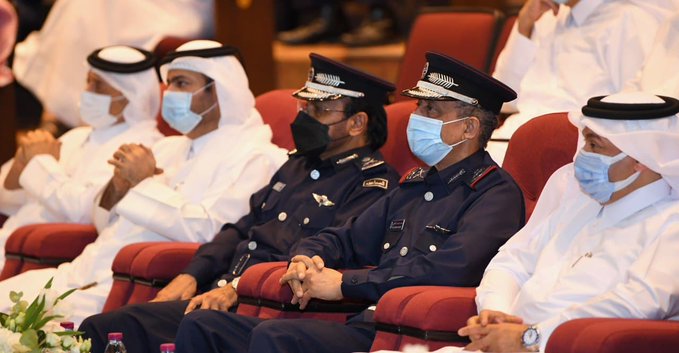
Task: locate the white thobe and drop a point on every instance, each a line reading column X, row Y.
column 593, row 49
column 206, row 182
column 583, row 260
column 64, row 190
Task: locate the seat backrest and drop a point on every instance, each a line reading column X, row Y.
column 278, row 109
column 396, row 151
column 465, row 34
column 501, row 40
column 536, row 150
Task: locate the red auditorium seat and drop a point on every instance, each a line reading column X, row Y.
column 465, row 34
column 141, row 270
column 614, row 336
column 396, row 151
column 278, row 109
column 536, row 150
column 43, row 245
column 260, row 295
column 429, row 315
column 502, row 36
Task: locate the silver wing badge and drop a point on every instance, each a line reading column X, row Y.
column 322, row 200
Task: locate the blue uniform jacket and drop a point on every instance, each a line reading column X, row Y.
column 437, row 228
column 303, row 197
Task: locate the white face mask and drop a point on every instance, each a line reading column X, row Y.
column 95, row 108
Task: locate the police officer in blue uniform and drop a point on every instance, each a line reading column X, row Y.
column 440, row 227
column 335, row 173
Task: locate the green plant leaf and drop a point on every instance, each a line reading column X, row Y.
column 66, row 294
column 14, row 297
column 48, row 285
column 69, row 333
column 29, row 338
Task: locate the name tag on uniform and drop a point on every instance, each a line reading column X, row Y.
column 397, row 225
column 376, row 183
column 279, row 186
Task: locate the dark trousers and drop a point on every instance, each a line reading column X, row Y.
column 144, row 326
column 212, row 331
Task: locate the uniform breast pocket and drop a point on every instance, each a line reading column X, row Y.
column 311, row 217
column 269, row 204
column 432, row 238
column 391, row 239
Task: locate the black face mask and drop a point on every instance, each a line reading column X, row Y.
column 310, row 136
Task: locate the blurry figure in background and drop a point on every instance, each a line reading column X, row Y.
column 327, row 20
column 46, row 61
column 8, row 30
column 558, row 56
column 52, row 180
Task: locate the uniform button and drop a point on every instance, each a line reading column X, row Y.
column 282, row 216
column 222, row 283
column 306, row 220
column 428, row 196
column 404, row 251
column 315, row 174
column 386, row 246
column 252, row 245
column 432, row 247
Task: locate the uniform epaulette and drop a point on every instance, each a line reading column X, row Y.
column 479, row 174
column 414, row 175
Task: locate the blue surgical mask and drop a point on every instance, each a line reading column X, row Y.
column 591, row 170
column 95, row 107
column 424, row 138
column 560, row 2
column 177, row 110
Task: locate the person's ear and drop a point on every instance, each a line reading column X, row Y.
column 358, row 124
column 472, row 128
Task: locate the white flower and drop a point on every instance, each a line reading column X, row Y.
column 67, row 342
column 52, row 340
column 9, row 341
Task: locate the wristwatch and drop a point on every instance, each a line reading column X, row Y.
column 530, row 338
column 234, row 283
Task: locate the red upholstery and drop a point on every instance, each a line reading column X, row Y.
column 536, row 150
column 278, row 109
column 45, row 245
column 614, row 336
column 141, row 270
column 396, row 151
column 429, row 315
column 465, row 34
column 261, row 295
column 502, row 37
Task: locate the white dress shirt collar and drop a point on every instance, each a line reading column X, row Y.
column 103, row 134
column 199, row 143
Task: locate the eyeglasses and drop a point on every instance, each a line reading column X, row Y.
column 314, row 110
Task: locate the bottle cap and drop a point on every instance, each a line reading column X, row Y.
column 68, row 325
column 167, row 347
column 115, row 336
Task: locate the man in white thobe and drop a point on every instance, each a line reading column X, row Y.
column 184, row 188
column 557, row 56
column 609, row 249
column 53, row 180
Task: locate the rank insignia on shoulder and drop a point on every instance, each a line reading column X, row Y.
column 369, row 163
column 397, row 225
column 479, row 174
column 322, row 200
column 279, row 186
column 376, row 183
column 348, row 158
column 415, row 174
column 456, row 176
column 438, row 229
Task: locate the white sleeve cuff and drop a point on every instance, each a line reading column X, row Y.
column 145, row 200
column 497, row 291
column 39, row 172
